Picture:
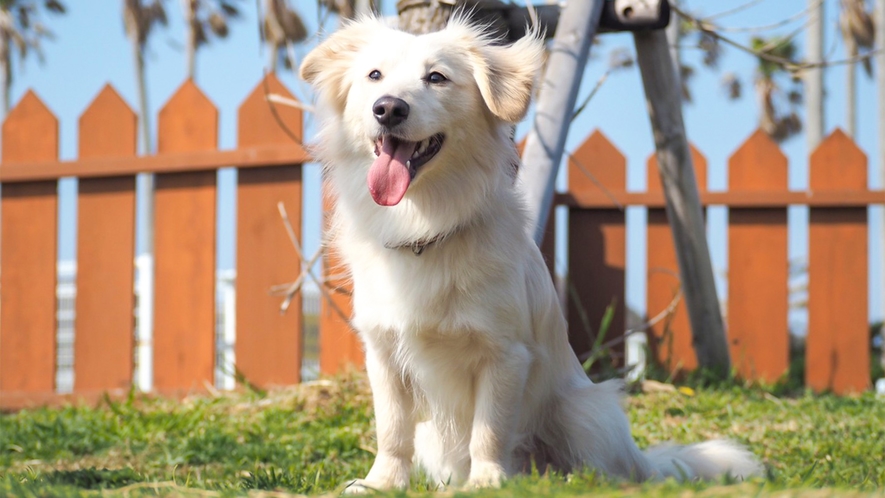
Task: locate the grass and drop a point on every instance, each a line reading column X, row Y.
column 311, row 438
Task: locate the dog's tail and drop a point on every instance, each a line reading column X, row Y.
column 707, row 460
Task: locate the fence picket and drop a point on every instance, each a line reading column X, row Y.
column 837, row 347
column 758, row 333
column 339, row 344
column 105, row 251
column 269, row 344
column 669, row 340
column 28, row 245
column 184, row 248
column 597, row 247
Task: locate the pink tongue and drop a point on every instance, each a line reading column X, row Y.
column 389, row 176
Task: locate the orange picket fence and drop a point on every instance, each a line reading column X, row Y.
column 269, row 344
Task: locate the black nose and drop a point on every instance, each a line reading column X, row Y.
column 390, row 111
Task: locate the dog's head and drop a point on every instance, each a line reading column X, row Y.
column 409, row 102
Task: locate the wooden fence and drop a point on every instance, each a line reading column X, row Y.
column 838, row 342
column 268, row 344
column 268, row 347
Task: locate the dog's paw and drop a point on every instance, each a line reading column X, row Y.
column 485, row 475
column 361, row 487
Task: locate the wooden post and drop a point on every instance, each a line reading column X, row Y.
column 184, row 323
column 837, row 347
column 758, row 270
column 339, row 344
column 597, row 247
column 268, row 346
column 28, row 244
column 104, row 344
column 683, row 201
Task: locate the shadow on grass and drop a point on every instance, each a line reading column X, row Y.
column 92, row 478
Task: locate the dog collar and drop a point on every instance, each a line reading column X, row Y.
column 418, row 246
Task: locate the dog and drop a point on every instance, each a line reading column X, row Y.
column 467, row 354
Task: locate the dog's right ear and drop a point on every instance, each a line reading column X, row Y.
column 505, row 75
column 325, row 67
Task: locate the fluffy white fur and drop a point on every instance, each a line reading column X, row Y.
column 466, row 348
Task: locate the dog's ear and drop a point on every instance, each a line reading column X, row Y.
column 506, row 74
column 325, row 67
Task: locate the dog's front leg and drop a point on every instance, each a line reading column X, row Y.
column 394, row 425
column 500, row 386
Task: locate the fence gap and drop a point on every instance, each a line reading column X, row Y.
column 669, row 340
column 838, row 346
column 105, row 251
column 28, row 254
column 268, row 343
column 184, row 248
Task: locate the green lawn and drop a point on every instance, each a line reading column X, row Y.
column 312, row 438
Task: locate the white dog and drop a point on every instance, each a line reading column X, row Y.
column 466, row 346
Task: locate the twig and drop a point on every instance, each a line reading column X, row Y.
column 595, row 89
column 768, row 27
column 735, row 10
column 276, row 116
column 279, row 99
column 595, row 181
column 669, row 310
column 308, row 269
column 785, row 63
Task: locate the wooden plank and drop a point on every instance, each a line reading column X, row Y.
column 250, row 157
column 669, row 340
column 758, row 267
column 269, row 344
column 837, row 346
column 597, row 248
column 839, row 198
column 104, row 342
column 28, row 245
column 340, row 346
column 184, row 251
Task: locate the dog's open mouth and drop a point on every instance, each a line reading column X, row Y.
column 396, row 164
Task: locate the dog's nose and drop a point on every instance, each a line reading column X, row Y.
column 390, row 111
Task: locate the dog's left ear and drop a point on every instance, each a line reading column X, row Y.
column 506, row 74
column 325, row 67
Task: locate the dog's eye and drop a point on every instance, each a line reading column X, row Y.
column 375, row 75
column 435, row 78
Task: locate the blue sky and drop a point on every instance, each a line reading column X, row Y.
column 90, row 49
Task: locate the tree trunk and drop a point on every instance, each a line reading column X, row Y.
column 423, row 17
column 814, row 77
column 190, row 17
column 545, row 143
column 850, row 88
column 145, row 180
column 5, row 76
column 683, row 201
